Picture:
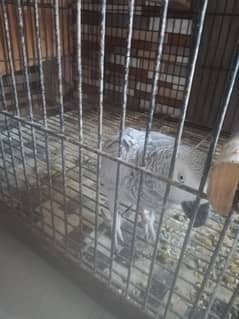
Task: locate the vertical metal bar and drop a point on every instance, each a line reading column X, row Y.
column 231, row 302
column 44, row 16
column 25, row 60
column 2, row 189
column 230, row 31
column 178, row 47
column 61, row 21
column 212, row 261
column 5, row 108
column 29, row 97
column 10, row 57
column 100, row 119
column 207, row 55
column 59, row 64
column 177, row 143
column 11, row 63
column 34, row 45
column 40, row 62
column 69, row 47
column 5, row 166
column 62, row 127
column 126, row 73
column 122, row 126
column 149, row 125
column 80, row 109
column 144, row 48
column 219, row 279
column 44, row 111
column 216, row 134
column 8, row 130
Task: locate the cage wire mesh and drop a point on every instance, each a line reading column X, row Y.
column 73, row 74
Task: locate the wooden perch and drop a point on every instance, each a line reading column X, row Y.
column 224, row 178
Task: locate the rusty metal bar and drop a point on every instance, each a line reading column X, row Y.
column 219, row 279
column 231, row 302
column 4, row 103
column 122, row 127
column 177, row 142
column 80, row 106
column 29, row 97
column 100, row 121
column 44, row 111
column 148, row 129
column 216, row 134
column 5, row 167
column 61, row 102
column 11, row 64
column 212, row 261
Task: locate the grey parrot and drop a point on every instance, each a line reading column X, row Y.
column 188, row 170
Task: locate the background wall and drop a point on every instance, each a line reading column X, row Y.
column 175, row 61
column 219, row 41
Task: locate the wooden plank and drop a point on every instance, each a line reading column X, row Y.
column 224, row 178
column 3, row 58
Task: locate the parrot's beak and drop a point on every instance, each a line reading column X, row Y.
column 202, row 215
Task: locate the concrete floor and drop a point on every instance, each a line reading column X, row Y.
column 31, row 289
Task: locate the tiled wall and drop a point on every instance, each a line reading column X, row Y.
column 175, row 60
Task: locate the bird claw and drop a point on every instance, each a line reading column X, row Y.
column 149, row 227
column 153, row 234
column 120, row 235
column 146, row 232
column 149, row 232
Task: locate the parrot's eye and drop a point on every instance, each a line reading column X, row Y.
column 181, row 178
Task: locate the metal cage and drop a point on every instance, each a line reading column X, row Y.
column 73, row 73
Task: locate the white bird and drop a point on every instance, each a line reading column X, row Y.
column 188, row 170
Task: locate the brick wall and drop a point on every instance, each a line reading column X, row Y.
column 175, row 60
